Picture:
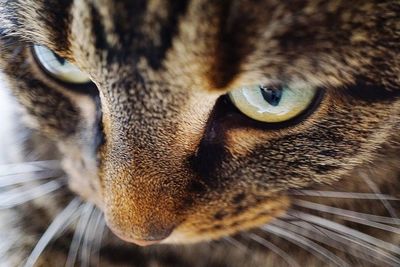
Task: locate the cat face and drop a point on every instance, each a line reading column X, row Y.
column 154, row 139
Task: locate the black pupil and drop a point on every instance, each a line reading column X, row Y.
column 272, row 94
column 59, row 59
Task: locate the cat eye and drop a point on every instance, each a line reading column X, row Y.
column 58, row 67
column 272, row 104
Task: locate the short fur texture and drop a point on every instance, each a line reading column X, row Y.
column 160, row 150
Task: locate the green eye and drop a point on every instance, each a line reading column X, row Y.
column 272, row 103
column 58, row 67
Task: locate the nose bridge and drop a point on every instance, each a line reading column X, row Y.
column 142, row 113
column 143, row 173
column 143, row 180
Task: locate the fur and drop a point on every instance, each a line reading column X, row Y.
column 161, row 150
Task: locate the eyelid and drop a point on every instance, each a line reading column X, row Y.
column 87, row 88
column 58, row 67
column 227, row 121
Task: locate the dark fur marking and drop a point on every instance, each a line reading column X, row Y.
column 196, row 187
column 100, row 137
column 67, row 115
column 59, row 18
column 101, row 42
column 237, row 199
column 206, row 161
column 368, row 92
column 129, row 21
column 211, row 150
column 322, row 169
column 232, row 46
column 238, row 210
column 217, row 227
column 168, row 32
column 220, row 215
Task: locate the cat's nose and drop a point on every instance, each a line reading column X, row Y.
column 148, row 240
column 143, row 207
column 145, row 234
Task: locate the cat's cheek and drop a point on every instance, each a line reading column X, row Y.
column 82, row 173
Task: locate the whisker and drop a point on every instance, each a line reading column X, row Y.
column 14, row 179
column 376, row 190
column 345, row 230
column 25, row 167
column 89, row 237
column 361, row 218
column 305, row 243
column 337, row 241
column 378, row 253
column 85, row 214
column 59, row 224
column 235, row 243
column 100, row 228
column 294, row 218
column 15, row 190
column 20, row 195
column 280, row 252
column 348, row 195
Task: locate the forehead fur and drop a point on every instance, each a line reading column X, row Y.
column 346, row 42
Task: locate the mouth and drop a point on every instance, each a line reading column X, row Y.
column 139, row 242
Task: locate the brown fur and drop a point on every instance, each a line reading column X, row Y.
column 173, row 162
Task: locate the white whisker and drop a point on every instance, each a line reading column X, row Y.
column 340, row 242
column 17, row 190
column 85, row 214
column 348, row 195
column 376, row 190
column 285, row 256
column 369, row 251
column 361, row 218
column 59, row 224
column 306, row 244
column 22, row 195
column 235, row 243
column 15, row 179
column 345, row 230
column 89, row 238
column 26, row 167
column 100, row 228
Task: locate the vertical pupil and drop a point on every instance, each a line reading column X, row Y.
column 59, row 59
column 271, row 94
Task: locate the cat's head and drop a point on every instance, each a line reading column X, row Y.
column 198, row 119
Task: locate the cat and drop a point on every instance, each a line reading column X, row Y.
column 214, row 133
